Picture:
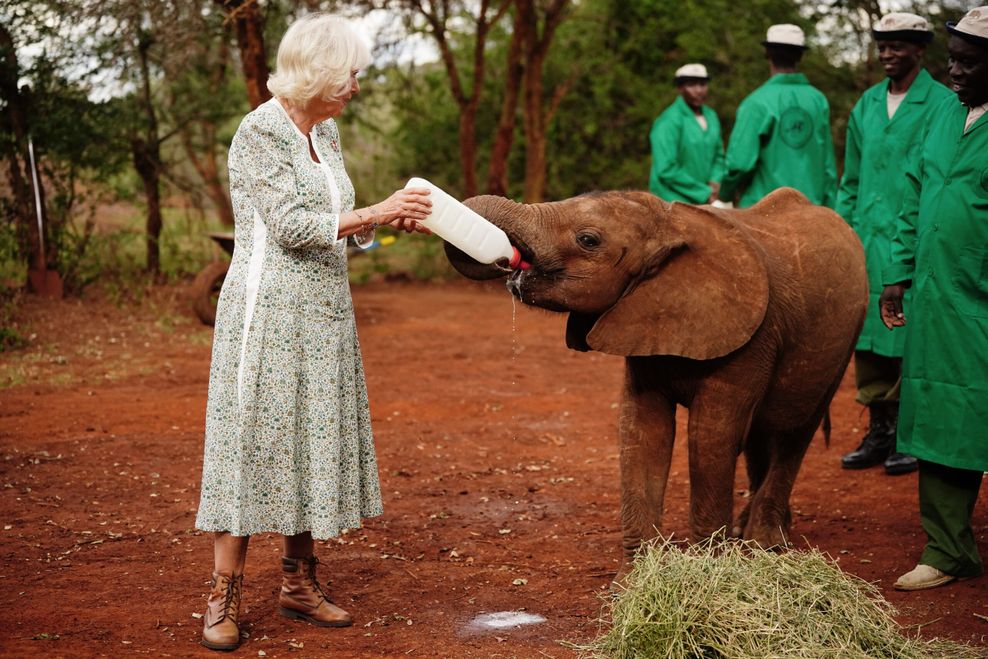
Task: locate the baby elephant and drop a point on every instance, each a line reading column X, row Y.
column 746, row 317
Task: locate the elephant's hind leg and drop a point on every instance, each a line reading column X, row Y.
column 757, row 458
column 769, row 516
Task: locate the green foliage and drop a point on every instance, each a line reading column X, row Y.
column 10, row 338
column 614, row 59
column 630, row 52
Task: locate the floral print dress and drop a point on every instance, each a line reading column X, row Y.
column 288, row 438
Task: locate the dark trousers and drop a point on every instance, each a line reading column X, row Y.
column 946, row 504
column 877, row 377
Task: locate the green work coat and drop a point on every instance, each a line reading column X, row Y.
column 878, row 152
column 781, row 137
column 941, row 248
column 685, row 157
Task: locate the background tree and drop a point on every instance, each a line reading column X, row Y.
column 538, row 28
column 465, row 76
column 248, row 22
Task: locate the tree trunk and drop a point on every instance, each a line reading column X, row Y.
column 147, row 162
column 534, row 122
column 248, row 21
column 497, row 172
column 536, row 119
column 209, row 171
column 14, row 120
column 146, row 152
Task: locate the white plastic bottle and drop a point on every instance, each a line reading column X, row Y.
column 455, row 223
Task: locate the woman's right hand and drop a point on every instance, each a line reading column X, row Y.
column 404, row 209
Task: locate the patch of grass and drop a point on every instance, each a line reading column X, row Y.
column 731, row 599
column 10, row 337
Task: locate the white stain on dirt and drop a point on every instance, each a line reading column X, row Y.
column 505, row 620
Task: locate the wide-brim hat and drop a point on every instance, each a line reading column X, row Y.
column 973, row 27
column 786, row 35
column 903, row 26
column 691, row 72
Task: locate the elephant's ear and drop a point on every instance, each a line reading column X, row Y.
column 702, row 297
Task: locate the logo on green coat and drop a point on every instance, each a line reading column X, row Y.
column 795, row 127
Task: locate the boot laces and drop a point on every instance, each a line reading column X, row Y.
column 231, row 610
column 311, row 573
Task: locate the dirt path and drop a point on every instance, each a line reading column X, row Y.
column 498, row 459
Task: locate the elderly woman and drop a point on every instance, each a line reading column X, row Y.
column 288, row 437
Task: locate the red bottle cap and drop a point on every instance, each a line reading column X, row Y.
column 516, row 263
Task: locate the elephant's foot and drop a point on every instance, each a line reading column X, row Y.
column 766, row 524
column 620, row 582
column 768, row 537
column 737, row 529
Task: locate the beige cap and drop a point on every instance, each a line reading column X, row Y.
column 692, row 71
column 901, row 20
column 903, row 26
column 973, row 27
column 785, row 34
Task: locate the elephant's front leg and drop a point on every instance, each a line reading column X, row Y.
column 648, row 429
column 720, row 418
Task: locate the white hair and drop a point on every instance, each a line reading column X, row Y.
column 316, row 59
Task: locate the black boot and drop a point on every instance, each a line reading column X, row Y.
column 879, row 442
column 899, row 463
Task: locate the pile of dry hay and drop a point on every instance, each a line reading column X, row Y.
column 734, row 600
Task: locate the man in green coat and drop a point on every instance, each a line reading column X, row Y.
column 781, row 135
column 687, row 151
column 940, row 250
column 883, row 137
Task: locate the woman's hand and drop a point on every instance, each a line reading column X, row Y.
column 403, row 210
column 403, row 206
column 890, row 306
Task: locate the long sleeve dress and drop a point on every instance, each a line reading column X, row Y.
column 288, row 444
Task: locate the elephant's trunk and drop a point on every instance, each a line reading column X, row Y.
column 503, row 213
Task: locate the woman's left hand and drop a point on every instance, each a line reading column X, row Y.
column 408, row 225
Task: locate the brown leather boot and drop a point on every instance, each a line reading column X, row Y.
column 220, row 630
column 302, row 598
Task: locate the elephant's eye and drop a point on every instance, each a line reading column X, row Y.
column 588, row 240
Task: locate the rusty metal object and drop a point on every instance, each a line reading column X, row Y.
column 209, row 281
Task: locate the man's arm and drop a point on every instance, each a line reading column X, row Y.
column 744, row 148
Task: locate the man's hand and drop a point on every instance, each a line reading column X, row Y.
column 890, row 306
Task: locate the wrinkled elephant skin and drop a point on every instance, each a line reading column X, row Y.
column 746, row 317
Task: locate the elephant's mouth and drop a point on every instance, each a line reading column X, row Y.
column 527, row 255
column 533, row 287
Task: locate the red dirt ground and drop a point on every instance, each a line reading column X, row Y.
column 498, row 459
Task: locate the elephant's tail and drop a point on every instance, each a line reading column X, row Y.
column 825, row 426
